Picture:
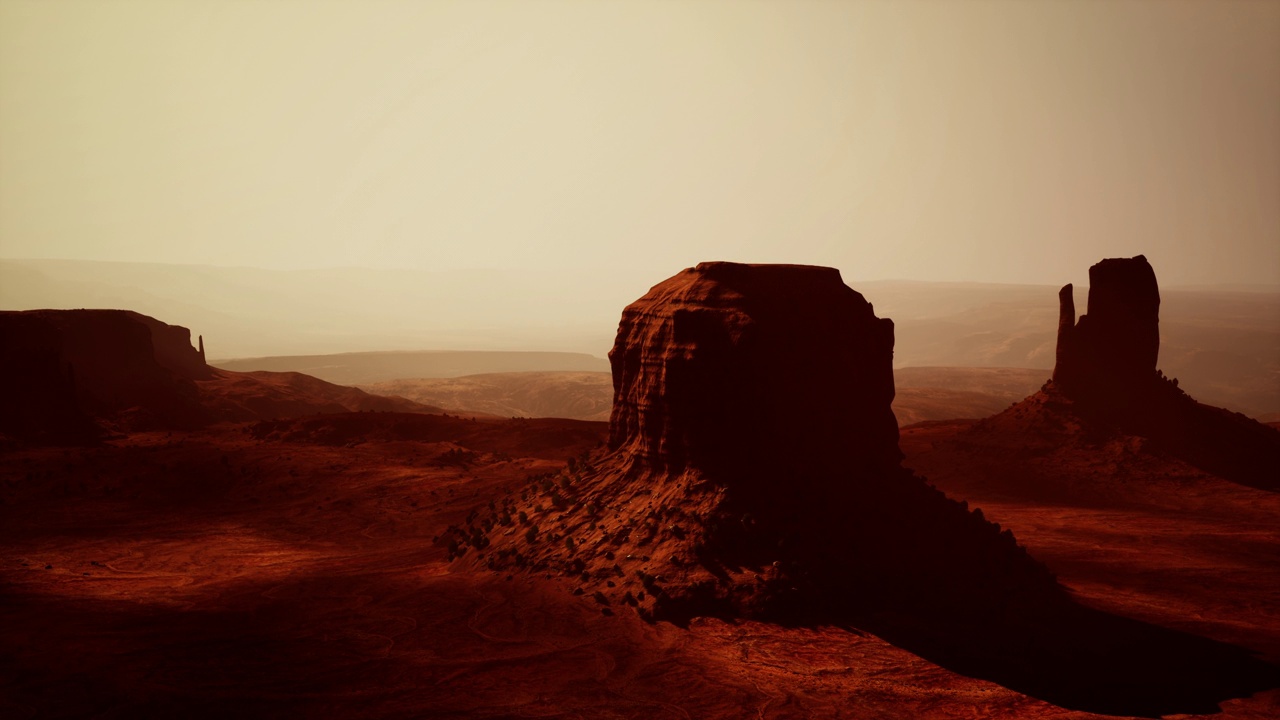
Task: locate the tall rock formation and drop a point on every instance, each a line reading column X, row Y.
column 1111, row 352
column 752, row 467
column 1106, row 376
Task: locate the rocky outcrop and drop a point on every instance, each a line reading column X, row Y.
column 752, row 468
column 746, row 371
column 1111, row 352
column 173, row 350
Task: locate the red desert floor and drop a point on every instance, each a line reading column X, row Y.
column 212, row 575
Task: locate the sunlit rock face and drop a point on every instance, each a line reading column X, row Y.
column 742, row 370
column 1111, row 351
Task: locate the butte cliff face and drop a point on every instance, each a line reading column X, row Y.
column 754, row 372
column 752, row 468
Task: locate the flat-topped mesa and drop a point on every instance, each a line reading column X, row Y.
column 754, row 371
column 62, row 367
column 1111, row 351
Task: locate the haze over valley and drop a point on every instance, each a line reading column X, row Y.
column 700, row 359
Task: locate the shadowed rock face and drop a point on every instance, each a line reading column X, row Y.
column 1113, row 348
column 173, row 350
column 1106, row 374
column 68, row 375
column 61, row 367
column 739, row 370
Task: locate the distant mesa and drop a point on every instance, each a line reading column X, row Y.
column 73, row 375
column 60, row 368
column 752, row 469
column 369, row 368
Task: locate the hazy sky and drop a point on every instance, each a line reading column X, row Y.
column 991, row 141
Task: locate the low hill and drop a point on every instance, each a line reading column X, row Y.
column 579, row 395
column 363, row 368
column 926, row 393
column 945, row 393
column 269, row 395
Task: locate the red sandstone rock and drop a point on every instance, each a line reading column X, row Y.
column 753, row 469
column 732, row 368
column 1113, row 348
column 1106, row 379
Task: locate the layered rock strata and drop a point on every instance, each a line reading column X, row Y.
column 754, row 371
column 752, row 467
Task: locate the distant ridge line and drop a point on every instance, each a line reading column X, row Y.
column 367, row 367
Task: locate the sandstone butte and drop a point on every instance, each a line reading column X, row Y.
column 61, row 368
column 752, row 469
column 1106, row 384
